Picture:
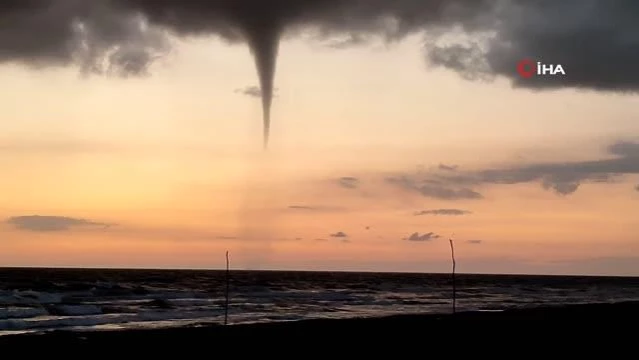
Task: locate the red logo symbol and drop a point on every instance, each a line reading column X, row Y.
column 526, row 68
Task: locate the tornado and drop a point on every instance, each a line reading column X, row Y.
column 263, row 38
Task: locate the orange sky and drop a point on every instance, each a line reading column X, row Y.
column 172, row 162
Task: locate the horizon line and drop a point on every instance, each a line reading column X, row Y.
column 302, row 271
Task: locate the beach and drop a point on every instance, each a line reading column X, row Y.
column 567, row 327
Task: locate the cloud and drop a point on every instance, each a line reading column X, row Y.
column 451, row 212
column 434, row 188
column 348, row 182
column 351, row 40
column 474, row 242
column 446, row 193
column 314, row 208
column 51, row 223
column 301, row 207
column 354, row 19
column 338, row 236
column 424, row 237
column 93, row 35
column 624, row 149
column 447, row 167
column 563, row 178
column 224, row 237
column 252, row 91
column 596, row 42
column 637, row 187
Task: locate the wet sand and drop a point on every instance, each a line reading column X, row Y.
column 574, row 329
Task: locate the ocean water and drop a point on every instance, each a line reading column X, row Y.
column 37, row 300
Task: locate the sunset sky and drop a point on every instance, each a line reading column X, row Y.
column 370, row 144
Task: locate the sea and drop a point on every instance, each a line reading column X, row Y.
column 41, row 300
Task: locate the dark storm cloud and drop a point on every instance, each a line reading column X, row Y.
column 450, row 212
column 424, row 237
column 350, row 41
column 94, row 35
column 597, row 41
column 562, row 177
column 50, row 223
column 433, row 188
column 354, row 18
column 348, row 182
column 338, row 234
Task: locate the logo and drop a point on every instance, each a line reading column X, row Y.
column 528, row 68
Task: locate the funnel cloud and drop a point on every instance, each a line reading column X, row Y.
column 264, row 41
column 596, row 42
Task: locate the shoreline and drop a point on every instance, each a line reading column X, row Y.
column 584, row 320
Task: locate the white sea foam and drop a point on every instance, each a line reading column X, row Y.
column 87, row 321
column 28, row 297
column 21, row 312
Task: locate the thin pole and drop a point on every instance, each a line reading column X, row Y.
column 228, row 278
column 452, row 254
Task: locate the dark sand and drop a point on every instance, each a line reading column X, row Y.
column 598, row 330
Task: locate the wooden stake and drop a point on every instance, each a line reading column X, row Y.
column 452, row 253
column 228, row 279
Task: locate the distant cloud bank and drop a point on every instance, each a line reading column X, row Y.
column 40, row 223
column 423, row 237
column 339, row 234
column 450, row 212
column 563, row 178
